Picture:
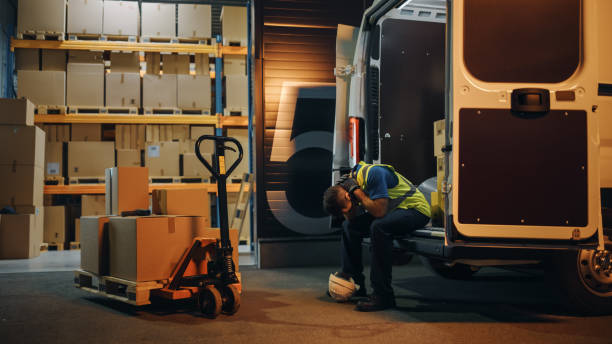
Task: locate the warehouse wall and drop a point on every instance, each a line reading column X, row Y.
column 8, row 21
column 295, row 58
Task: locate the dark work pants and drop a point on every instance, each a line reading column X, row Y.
column 381, row 232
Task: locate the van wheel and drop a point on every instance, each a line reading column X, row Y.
column 585, row 278
column 456, row 271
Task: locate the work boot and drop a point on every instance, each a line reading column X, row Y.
column 376, row 303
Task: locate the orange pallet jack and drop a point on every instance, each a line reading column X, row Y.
column 217, row 289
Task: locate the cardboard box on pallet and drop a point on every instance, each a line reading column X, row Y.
column 21, row 235
column 85, row 16
column 189, row 202
column 90, row 159
column 83, row 56
column 93, row 205
column 234, row 25
column 186, row 146
column 125, row 62
column 153, row 63
column 236, row 96
column 149, row 248
column 127, row 189
column 202, row 64
column 94, row 244
column 16, row 112
column 42, row 87
column 41, row 16
column 54, row 159
column 175, row 64
column 194, row 92
column 23, row 145
column 439, row 134
column 158, row 20
column 27, row 59
column 180, row 132
column 159, row 91
column 55, row 224
column 242, row 135
column 192, row 167
column 85, row 84
column 86, row 132
column 123, row 90
column 194, row 21
column 121, row 18
column 54, row 60
column 128, row 158
column 21, row 185
column 162, row 159
column 234, row 65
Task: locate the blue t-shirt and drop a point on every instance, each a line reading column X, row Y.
column 380, row 180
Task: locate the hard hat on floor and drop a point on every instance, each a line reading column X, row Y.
column 341, row 286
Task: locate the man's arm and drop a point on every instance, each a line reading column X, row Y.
column 377, row 207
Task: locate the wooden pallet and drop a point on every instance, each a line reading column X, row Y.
column 164, row 180
column 119, row 110
column 134, row 293
column 235, row 43
column 85, row 110
column 55, row 180
column 51, row 110
column 236, row 112
column 87, row 281
column 195, row 40
column 193, row 180
column 86, row 180
column 124, row 38
column 84, row 36
column 146, row 39
column 75, row 245
column 195, row 111
column 41, row 35
column 162, row 111
column 52, row 246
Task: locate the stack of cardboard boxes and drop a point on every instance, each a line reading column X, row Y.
column 21, row 180
column 42, row 84
column 123, row 83
column 438, row 198
column 88, row 155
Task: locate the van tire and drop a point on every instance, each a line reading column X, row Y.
column 569, row 270
column 457, row 271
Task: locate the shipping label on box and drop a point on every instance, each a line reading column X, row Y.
column 54, row 60
column 158, row 20
column 86, row 132
column 120, row 18
column 194, row 21
column 123, row 89
column 162, row 158
column 85, row 84
column 55, row 224
column 127, row 189
column 27, row 145
column 81, row 163
column 41, row 16
column 194, row 91
column 85, row 16
column 42, row 87
column 54, row 158
column 159, row 91
column 20, row 236
column 21, row 185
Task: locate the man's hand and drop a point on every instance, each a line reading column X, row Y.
column 350, row 185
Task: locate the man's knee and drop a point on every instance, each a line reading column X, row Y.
column 377, row 230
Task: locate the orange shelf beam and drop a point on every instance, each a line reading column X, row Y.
column 87, row 189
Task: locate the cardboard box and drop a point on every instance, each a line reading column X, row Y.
column 234, row 25
column 27, row 145
column 207, row 146
column 85, row 84
column 42, row 87
column 202, row 64
column 180, row 132
column 20, row 236
column 128, row 158
column 188, row 202
column 162, row 159
column 54, row 60
column 120, row 18
column 77, row 230
column 192, row 167
column 236, row 96
column 149, row 248
column 129, row 136
column 27, row 59
column 127, row 189
column 41, row 16
column 158, row 20
column 152, row 133
column 194, row 21
column 194, row 92
column 186, row 146
column 176, row 64
column 153, row 62
column 93, row 205
column 90, row 159
column 16, row 112
column 86, row 132
column 57, row 133
column 234, row 65
column 54, row 158
column 159, row 91
column 85, row 16
column 85, row 56
column 242, row 135
column 123, row 89
column 94, row 244
column 21, row 185
column 55, row 224
column 125, row 62
column 439, row 137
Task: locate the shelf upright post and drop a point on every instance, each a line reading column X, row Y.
column 250, row 99
column 219, row 98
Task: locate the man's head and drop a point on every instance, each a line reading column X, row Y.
column 336, row 201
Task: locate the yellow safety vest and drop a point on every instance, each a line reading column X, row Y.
column 404, row 195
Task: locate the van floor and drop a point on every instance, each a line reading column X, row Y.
column 290, row 306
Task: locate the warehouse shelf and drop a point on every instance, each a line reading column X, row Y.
column 185, row 48
column 144, row 119
column 87, row 189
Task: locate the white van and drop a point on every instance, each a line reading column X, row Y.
column 527, row 105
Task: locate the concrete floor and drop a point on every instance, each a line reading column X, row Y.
column 290, row 305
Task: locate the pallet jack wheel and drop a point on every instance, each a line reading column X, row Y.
column 231, row 299
column 210, row 301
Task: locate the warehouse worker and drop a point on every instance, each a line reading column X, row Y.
column 375, row 201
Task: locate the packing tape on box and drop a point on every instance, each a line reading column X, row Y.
column 171, row 225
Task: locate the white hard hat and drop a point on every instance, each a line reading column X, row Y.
column 341, row 286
